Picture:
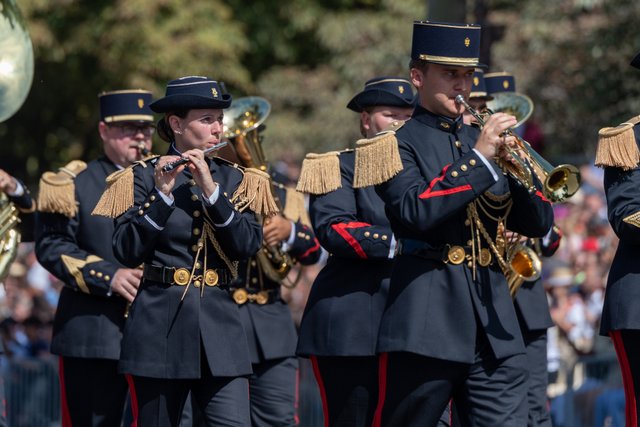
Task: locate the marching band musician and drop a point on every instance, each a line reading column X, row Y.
column 532, row 307
column 619, row 154
column 266, row 317
column 340, row 323
column 187, row 222
column 75, row 247
column 449, row 329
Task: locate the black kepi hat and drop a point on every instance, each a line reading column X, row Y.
column 126, row 106
column 499, row 82
column 446, row 44
column 386, row 91
column 478, row 86
column 192, row 92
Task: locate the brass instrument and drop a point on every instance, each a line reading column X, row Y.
column 241, row 125
column 524, row 266
column 16, row 74
column 559, row 183
column 515, row 104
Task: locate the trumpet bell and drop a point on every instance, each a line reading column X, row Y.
column 561, row 183
column 524, row 266
column 513, row 103
column 244, row 115
column 16, row 60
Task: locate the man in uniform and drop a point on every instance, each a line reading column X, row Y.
column 76, row 247
column 266, row 317
column 449, row 328
column 619, row 154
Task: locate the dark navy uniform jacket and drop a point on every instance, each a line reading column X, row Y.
column 163, row 336
column 621, row 308
column 532, row 306
column 434, row 308
column 89, row 319
column 343, row 312
column 270, row 328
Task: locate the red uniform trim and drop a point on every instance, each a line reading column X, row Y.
column 428, row 193
column 66, row 416
column 341, row 229
column 311, row 250
column 296, row 404
column 323, row 391
column 627, row 379
column 134, row 400
column 541, row 195
column 383, row 360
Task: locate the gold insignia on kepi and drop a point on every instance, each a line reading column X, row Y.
column 505, row 84
column 240, row 296
column 181, row 276
column 455, row 255
column 476, row 81
column 211, row 278
column 467, row 42
column 400, row 89
column 485, row 257
column 140, row 102
column 214, row 92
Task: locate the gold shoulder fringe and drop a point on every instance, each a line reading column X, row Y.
column 254, row 192
column 57, row 192
column 377, row 160
column 617, row 146
column 294, row 207
column 118, row 194
column 320, row 173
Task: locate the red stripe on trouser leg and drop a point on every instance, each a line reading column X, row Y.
column 296, row 405
column 66, row 417
column 627, row 379
column 134, row 400
column 383, row 360
column 323, row 391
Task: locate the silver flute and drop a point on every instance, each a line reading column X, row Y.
column 171, row 166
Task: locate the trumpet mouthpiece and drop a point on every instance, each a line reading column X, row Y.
column 459, row 99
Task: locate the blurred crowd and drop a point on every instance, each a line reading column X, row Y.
column 575, row 279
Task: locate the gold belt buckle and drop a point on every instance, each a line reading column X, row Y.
column 240, row 296
column 455, row 255
column 181, row 276
column 485, row 257
column 262, row 297
column 211, row 278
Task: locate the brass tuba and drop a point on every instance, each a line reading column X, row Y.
column 559, row 183
column 241, row 124
column 16, row 74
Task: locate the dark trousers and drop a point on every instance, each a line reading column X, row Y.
column 92, row 393
column 627, row 345
column 159, row 402
column 348, row 388
column 415, row 390
column 537, row 402
column 272, row 393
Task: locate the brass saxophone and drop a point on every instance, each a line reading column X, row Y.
column 242, row 128
column 9, row 235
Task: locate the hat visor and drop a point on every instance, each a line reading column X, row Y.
column 189, row 102
column 375, row 98
column 125, row 118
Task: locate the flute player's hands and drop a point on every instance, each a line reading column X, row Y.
column 165, row 181
column 199, row 168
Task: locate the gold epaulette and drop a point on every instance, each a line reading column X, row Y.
column 118, row 195
column 617, row 146
column 320, row 173
column 57, row 193
column 254, row 192
column 377, row 159
column 294, row 207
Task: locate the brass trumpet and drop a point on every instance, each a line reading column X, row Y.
column 524, row 266
column 559, row 183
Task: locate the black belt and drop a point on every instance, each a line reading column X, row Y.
column 181, row 276
column 449, row 254
column 261, row 297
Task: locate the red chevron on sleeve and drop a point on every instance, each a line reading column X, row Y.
column 428, row 193
column 315, row 247
column 341, row 229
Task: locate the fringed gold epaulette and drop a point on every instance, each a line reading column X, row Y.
column 254, row 192
column 320, row 173
column 118, row 195
column 377, row 160
column 617, row 146
column 294, row 207
column 57, row 193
